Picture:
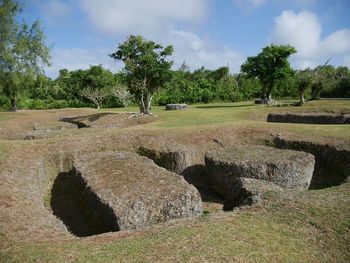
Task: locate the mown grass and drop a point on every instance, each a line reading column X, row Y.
column 247, row 114
column 313, row 226
column 5, row 117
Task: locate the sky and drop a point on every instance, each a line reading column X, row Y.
column 209, row 33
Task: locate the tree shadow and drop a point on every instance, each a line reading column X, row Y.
column 223, row 106
column 79, row 120
column 79, row 208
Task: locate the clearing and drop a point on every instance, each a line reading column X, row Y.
column 48, row 156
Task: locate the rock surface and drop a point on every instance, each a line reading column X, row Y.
column 174, row 157
column 332, row 165
column 139, row 192
column 53, row 126
column 309, row 118
column 109, row 120
column 248, row 191
column 176, row 107
column 286, row 168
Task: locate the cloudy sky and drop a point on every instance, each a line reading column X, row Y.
column 210, row 33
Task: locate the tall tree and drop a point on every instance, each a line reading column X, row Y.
column 269, row 66
column 304, row 80
column 22, row 50
column 146, row 67
column 323, row 78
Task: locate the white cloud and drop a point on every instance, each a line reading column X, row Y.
column 197, row 52
column 189, row 47
column 303, row 31
column 300, row 30
column 78, row 58
column 142, row 16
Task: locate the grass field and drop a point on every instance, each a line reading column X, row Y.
column 306, row 226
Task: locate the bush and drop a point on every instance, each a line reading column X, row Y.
column 4, row 103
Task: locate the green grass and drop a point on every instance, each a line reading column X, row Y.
column 314, row 226
column 246, row 114
column 5, row 117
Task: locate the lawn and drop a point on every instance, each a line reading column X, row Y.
column 306, row 226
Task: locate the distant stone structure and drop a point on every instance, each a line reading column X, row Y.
column 176, row 107
column 310, row 118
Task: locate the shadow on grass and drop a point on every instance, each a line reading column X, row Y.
column 223, row 106
column 79, row 120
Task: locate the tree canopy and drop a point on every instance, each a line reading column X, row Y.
column 146, row 66
column 22, row 50
column 269, row 66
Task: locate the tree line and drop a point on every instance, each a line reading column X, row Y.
column 148, row 75
column 99, row 87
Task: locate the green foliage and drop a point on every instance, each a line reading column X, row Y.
column 147, row 75
column 269, row 66
column 200, row 86
column 146, row 68
column 22, row 51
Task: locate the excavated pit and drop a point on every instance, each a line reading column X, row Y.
column 309, row 118
column 185, row 161
column 79, row 208
column 332, row 166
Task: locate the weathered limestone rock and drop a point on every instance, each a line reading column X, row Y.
column 139, row 192
column 248, row 191
column 332, row 165
column 176, row 106
column 109, row 120
column 286, row 168
column 310, row 118
column 53, row 126
column 175, row 158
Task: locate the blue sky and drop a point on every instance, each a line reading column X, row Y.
column 209, row 33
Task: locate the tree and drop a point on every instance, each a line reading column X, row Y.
column 146, row 68
column 22, row 50
column 96, row 77
column 269, row 66
column 97, row 96
column 304, row 80
column 122, row 94
column 323, row 78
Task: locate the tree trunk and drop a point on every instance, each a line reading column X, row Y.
column 266, row 97
column 145, row 104
column 14, row 103
column 302, row 98
column 263, row 97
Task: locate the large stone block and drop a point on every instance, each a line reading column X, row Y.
column 286, row 168
column 139, row 192
column 248, row 191
column 310, row 118
column 176, row 107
